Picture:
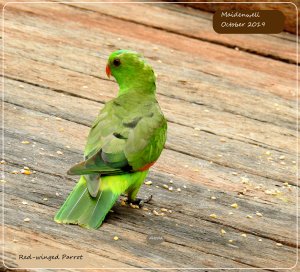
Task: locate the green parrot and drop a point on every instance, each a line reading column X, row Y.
column 125, row 140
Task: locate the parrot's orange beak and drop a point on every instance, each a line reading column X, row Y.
column 107, row 70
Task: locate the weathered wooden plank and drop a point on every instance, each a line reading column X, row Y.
column 175, row 18
column 186, row 212
column 232, row 61
column 205, row 144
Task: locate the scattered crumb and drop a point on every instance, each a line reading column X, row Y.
column 45, row 198
column 213, row 198
column 112, row 211
column 223, row 231
column 14, row 172
column 279, row 244
column 2, row 162
column 234, row 205
column 148, row 182
column 244, row 235
column 57, row 194
column 268, row 153
column 244, row 180
column 61, row 129
column 259, row 214
column 123, row 203
column 230, row 213
column 24, row 202
column 236, row 48
column 134, row 206
column 282, row 157
column 2, row 180
column 157, row 213
column 170, row 188
column 259, row 240
column 116, row 238
column 178, row 190
column 59, row 152
column 293, row 162
column 25, row 142
column 213, row 215
column 25, row 172
column 84, row 87
column 26, row 219
column 159, row 61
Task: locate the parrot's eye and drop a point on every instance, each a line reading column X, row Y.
column 116, row 62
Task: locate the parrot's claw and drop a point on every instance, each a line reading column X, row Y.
column 139, row 201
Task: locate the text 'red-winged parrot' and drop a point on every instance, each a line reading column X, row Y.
column 125, row 140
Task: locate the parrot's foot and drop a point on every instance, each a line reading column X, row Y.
column 139, row 201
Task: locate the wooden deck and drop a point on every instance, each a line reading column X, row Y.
column 230, row 101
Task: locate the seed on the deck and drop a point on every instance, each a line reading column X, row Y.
column 24, row 202
column 164, row 209
column 293, row 162
column 171, row 181
column 14, row 172
column 2, row 180
column 249, row 216
column 178, row 190
column 58, row 118
column 116, row 238
column 26, row 168
column 213, row 198
column 196, row 128
column 123, row 203
column 220, row 155
column 244, row 180
column 156, row 186
column 25, row 142
column 222, row 140
column 223, row 231
column 133, row 206
column 67, row 146
column 186, row 166
column 234, row 173
column 148, row 182
column 145, row 209
column 184, row 186
column 155, row 212
column 268, row 153
column 230, row 213
column 259, row 240
column 84, row 87
column 21, row 86
column 213, row 215
column 159, row 61
column 286, row 184
column 170, row 188
column 166, row 186
column 230, row 241
column 59, row 152
column 282, row 157
column 45, row 198
column 279, row 244
column 234, row 205
column 244, row 235
column 26, row 172
column 57, row 194
column 26, row 219
column 61, row 129
column 259, row 214
column 2, row 162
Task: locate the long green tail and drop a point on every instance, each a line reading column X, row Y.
column 82, row 209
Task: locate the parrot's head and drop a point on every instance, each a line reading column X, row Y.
column 130, row 70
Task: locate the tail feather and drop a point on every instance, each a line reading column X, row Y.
column 82, row 209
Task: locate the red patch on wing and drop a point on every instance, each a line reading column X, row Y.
column 147, row 166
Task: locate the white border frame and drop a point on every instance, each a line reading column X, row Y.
column 150, row 2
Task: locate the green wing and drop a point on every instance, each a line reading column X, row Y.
column 129, row 133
